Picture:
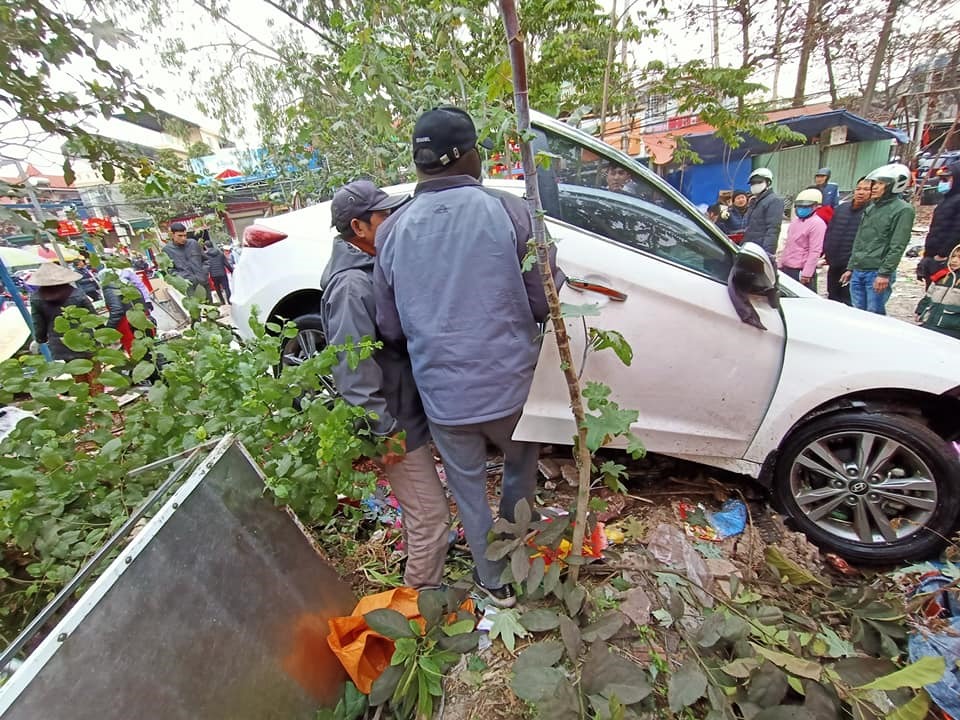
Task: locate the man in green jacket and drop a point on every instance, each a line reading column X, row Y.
column 881, row 239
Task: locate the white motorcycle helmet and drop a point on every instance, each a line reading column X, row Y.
column 895, row 175
column 762, row 174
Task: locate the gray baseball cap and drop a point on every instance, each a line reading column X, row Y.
column 358, row 198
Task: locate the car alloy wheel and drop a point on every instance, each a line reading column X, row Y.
column 863, row 486
column 307, row 343
column 871, row 487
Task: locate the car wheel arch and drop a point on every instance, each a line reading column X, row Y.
column 301, row 302
column 941, row 413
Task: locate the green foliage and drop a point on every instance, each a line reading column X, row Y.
column 718, row 96
column 40, row 40
column 166, row 188
column 351, row 705
column 65, row 484
column 413, row 681
column 367, row 69
column 606, row 421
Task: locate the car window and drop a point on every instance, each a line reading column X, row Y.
column 603, row 197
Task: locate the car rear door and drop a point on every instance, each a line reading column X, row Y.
column 700, row 378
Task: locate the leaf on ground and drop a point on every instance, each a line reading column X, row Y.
column 573, row 597
column 538, row 569
column 822, row 701
column 462, row 643
column 540, row 620
column 506, row 626
column 551, row 580
column 536, row 683
column 541, row 654
column 687, row 685
column 924, row 671
column 564, row 704
column 603, row 668
column 768, row 686
column 604, row 627
column 383, row 686
column 740, row 668
column 520, row 563
column 791, row 663
column 570, row 633
column 917, row 709
column 790, row 570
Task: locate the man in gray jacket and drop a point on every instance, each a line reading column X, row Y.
column 187, row 258
column 765, row 215
column 449, row 282
column 383, row 385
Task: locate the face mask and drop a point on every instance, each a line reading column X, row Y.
column 757, row 188
column 944, row 186
column 804, row 212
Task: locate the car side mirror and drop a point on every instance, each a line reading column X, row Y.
column 753, row 270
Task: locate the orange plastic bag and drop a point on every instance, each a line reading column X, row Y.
column 364, row 653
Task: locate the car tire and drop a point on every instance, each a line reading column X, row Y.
column 871, row 487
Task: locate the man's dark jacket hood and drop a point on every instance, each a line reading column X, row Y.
column 944, row 232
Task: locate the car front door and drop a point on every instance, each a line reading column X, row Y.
column 700, row 378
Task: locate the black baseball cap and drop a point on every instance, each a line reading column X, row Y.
column 442, row 136
column 358, row 198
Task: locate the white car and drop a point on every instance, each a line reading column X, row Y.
column 849, row 418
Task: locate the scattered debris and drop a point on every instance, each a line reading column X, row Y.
column 703, row 524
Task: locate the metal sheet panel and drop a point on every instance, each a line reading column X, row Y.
column 850, row 162
column 217, row 609
column 793, row 168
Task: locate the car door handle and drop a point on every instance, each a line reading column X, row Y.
column 595, row 287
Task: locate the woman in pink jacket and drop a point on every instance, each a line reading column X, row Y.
column 804, row 239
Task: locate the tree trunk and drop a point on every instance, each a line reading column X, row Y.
column 806, row 50
column 715, row 37
column 743, row 9
column 611, row 47
column 892, row 7
column 831, row 80
column 518, row 62
column 780, row 12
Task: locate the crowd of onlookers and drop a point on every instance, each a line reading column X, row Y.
column 860, row 241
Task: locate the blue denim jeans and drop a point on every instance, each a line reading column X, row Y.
column 862, row 294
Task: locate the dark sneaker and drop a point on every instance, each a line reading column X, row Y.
column 501, row 597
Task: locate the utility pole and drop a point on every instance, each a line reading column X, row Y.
column 38, row 211
column 611, row 48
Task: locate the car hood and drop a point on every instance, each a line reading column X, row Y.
column 892, row 352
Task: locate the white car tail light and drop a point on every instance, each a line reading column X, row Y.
column 257, row 236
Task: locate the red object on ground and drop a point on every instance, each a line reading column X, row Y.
column 146, row 280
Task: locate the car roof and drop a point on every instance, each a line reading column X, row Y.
column 310, row 220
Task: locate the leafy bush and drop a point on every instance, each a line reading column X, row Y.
column 64, row 484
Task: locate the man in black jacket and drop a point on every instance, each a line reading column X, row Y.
column 944, row 233
column 838, row 243
column 219, row 266
column 765, row 216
